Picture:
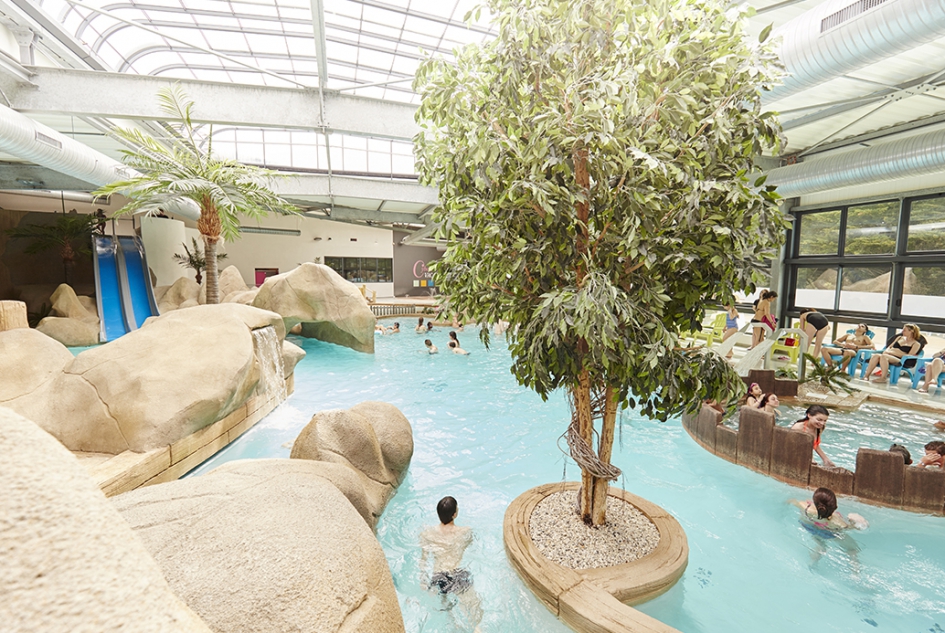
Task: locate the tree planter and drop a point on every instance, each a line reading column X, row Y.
column 596, row 599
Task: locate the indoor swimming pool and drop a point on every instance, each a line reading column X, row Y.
column 483, row 439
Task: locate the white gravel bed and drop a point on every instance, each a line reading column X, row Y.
column 561, row 536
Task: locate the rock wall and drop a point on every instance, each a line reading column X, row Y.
column 174, row 376
column 268, row 546
column 70, row 563
column 330, row 308
column 372, row 439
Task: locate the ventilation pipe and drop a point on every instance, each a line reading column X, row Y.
column 840, row 36
column 913, row 156
column 24, row 138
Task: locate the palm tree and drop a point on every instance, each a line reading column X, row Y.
column 223, row 189
column 70, row 234
column 194, row 258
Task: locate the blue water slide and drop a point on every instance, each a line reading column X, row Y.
column 108, row 288
column 140, row 293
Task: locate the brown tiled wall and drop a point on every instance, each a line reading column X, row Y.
column 881, row 477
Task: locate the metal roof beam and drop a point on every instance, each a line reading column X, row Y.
column 295, row 185
column 125, row 96
column 363, row 215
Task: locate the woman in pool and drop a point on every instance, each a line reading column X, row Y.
column 905, row 345
column 421, row 328
column 815, row 325
column 751, row 398
column 813, row 423
column 849, row 344
column 769, row 404
column 821, row 513
column 453, row 337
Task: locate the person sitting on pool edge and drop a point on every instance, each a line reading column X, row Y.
column 821, row 513
column 453, row 345
column 813, row 423
column 446, row 543
column 431, row 348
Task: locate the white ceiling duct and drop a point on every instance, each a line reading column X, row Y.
column 912, row 156
column 840, row 36
column 26, row 139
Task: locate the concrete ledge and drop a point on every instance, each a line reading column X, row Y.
column 594, row 599
column 130, row 470
column 881, row 478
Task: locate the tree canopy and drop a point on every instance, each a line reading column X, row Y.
column 597, row 188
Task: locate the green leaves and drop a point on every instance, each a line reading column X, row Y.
column 658, row 103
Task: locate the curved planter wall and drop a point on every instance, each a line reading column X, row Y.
column 594, row 599
column 880, row 477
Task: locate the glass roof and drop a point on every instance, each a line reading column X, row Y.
column 271, row 42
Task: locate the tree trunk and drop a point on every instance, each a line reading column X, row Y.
column 605, row 449
column 210, row 254
column 68, row 261
column 582, row 406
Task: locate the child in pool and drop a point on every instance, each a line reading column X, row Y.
column 751, row 398
column 934, row 455
column 431, row 348
column 821, row 513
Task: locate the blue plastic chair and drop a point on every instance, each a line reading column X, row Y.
column 853, row 364
column 896, row 370
column 916, row 373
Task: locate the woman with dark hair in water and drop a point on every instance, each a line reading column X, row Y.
column 813, row 423
column 821, row 513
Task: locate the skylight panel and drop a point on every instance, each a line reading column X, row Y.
column 298, row 14
column 266, row 44
column 382, row 16
column 343, row 52
column 442, row 8
column 224, row 40
column 375, row 59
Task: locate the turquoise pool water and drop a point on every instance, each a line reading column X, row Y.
column 483, row 439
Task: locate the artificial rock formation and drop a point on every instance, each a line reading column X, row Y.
column 329, row 308
column 246, row 297
column 66, row 304
column 71, row 332
column 229, row 282
column 70, row 563
column 28, row 359
column 183, row 293
column 373, row 439
column 291, row 355
column 268, row 546
column 177, row 374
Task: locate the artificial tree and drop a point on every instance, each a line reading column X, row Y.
column 70, row 234
column 182, row 169
column 597, row 188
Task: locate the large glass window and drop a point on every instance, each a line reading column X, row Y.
column 865, row 289
column 927, row 225
column 923, row 292
column 816, row 287
column 820, row 233
column 363, row 269
column 871, row 229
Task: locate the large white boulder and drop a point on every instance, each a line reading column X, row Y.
column 328, row 307
column 373, row 439
column 27, row 360
column 229, row 282
column 70, row 562
column 291, row 355
column 158, row 384
column 184, row 290
column 66, row 304
column 71, row 332
column 266, row 547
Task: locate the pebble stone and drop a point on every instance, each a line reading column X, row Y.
column 561, row 536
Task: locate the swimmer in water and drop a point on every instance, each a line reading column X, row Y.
column 445, row 544
column 453, row 345
column 821, row 513
column 394, row 329
column 431, row 348
column 421, row 328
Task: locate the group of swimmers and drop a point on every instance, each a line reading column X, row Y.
column 453, row 343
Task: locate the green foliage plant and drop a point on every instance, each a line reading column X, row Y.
column 70, row 234
column 594, row 164
column 194, row 259
column 829, row 377
column 184, row 170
